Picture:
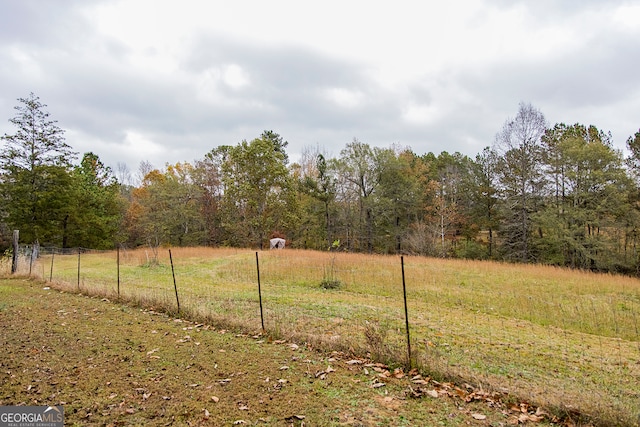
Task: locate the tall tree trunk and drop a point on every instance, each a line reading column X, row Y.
column 327, row 223
column 490, row 242
column 65, row 236
column 16, row 248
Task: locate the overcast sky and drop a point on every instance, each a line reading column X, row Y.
column 168, row 81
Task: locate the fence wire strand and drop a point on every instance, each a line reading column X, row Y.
column 529, row 342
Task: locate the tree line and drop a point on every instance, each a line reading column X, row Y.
column 559, row 195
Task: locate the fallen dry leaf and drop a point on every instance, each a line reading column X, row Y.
column 479, row 416
column 432, row 393
column 293, row 418
column 216, row 399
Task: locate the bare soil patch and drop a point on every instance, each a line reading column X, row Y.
column 111, row 364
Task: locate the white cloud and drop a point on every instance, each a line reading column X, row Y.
column 235, row 77
column 628, row 17
column 141, row 145
column 421, row 114
column 343, row 97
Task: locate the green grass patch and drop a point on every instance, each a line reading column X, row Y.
column 112, row 364
column 559, row 338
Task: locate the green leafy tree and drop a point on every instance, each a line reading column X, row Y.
column 633, row 229
column 445, row 198
column 419, row 235
column 449, row 211
column 279, row 144
column 325, row 192
column 317, row 188
column 360, row 169
column 484, row 195
column 633, row 161
column 397, row 204
column 258, row 191
column 97, row 206
column 36, row 184
column 591, row 215
column 553, row 241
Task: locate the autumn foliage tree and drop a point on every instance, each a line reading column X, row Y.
column 560, row 195
column 166, row 208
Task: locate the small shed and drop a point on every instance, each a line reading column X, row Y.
column 277, row 243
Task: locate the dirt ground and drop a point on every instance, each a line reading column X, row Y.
column 110, row 364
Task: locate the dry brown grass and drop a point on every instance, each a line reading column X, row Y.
column 565, row 339
column 111, row 364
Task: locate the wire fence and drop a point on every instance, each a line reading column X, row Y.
column 558, row 338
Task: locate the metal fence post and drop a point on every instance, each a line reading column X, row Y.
column 78, row 269
column 175, row 287
column 406, row 313
column 260, row 293
column 118, row 262
column 53, row 253
column 16, row 250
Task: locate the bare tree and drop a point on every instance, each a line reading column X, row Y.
column 123, row 174
column 521, row 176
column 143, row 170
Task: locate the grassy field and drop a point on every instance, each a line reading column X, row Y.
column 111, row 364
column 565, row 340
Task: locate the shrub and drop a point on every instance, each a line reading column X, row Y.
column 328, row 283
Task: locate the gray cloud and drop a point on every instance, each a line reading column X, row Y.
column 43, row 22
column 225, row 89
